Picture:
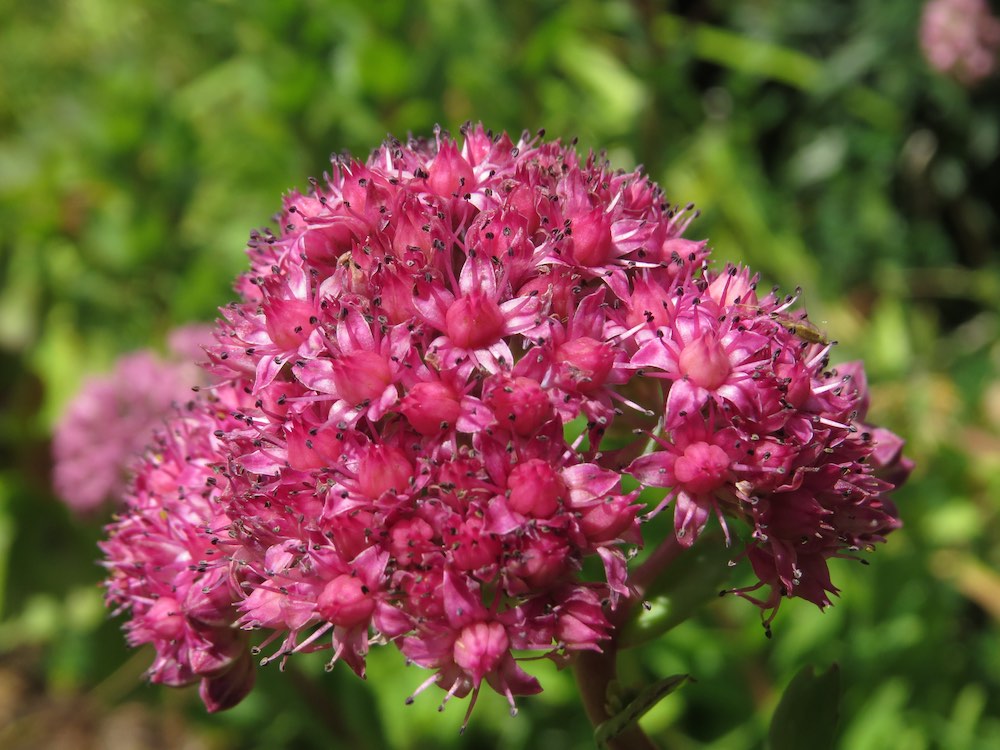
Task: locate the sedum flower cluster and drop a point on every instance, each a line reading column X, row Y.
column 449, row 377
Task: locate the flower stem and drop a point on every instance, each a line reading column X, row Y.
column 596, row 672
column 646, row 574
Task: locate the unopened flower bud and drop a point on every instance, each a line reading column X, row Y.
column 345, row 601
column 431, row 407
column 474, row 321
column 384, row 468
column 705, row 362
column 535, row 489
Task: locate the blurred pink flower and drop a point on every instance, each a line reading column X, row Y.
column 960, row 38
column 106, row 426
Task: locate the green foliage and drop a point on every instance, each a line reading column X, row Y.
column 808, row 711
column 141, row 142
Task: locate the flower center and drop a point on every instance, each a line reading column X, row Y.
column 480, row 647
column 289, row 321
column 431, row 407
column 535, row 489
column 474, row 321
column 344, row 601
column 521, row 404
column 702, row 468
column 705, row 362
column 382, row 469
column 450, row 173
column 591, row 359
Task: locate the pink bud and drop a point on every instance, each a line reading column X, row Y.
column 646, row 304
column 734, row 287
column 289, row 321
column 361, row 376
column 345, row 601
column 409, row 539
column 395, row 295
column 474, row 321
column 592, row 238
column 410, row 233
column 888, row 459
column 702, row 468
column 607, row 519
column 313, row 448
column 535, row 489
column 450, row 174
column 590, row 360
column 352, row 532
column 521, row 199
column 480, row 647
column 225, row 646
column 542, row 561
column 581, row 623
column 225, row 690
column 472, row 547
column 521, row 404
column 494, row 233
column 559, row 284
column 705, row 362
column 384, row 468
column 431, row 407
column 364, row 191
column 423, row 591
column 773, row 459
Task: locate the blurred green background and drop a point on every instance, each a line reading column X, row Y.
column 140, row 142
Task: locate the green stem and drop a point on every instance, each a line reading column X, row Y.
column 646, row 574
column 596, row 672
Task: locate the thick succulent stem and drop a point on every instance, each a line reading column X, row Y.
column 646, row 574
column 596, row 672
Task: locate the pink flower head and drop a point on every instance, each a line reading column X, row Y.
column 443, row 379
column 706, row 356
column 101, row 435
column 960, row 38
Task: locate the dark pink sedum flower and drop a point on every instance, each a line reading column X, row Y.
column 423, row 427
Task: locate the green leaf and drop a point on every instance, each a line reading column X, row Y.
column 648, row 697
column 806, row 716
